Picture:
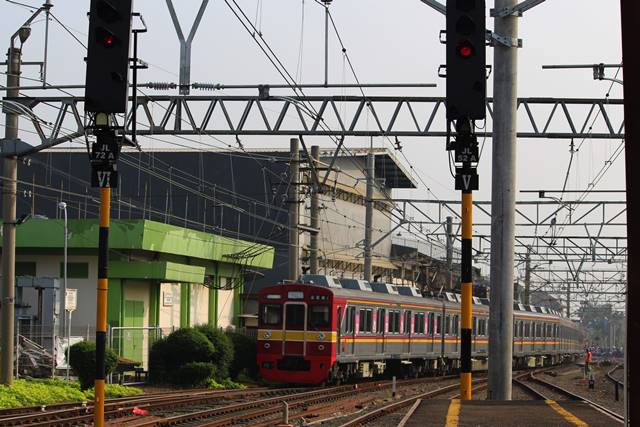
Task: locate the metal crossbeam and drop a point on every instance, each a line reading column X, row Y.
column 335, row 116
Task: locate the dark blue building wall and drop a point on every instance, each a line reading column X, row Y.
column 234, row 194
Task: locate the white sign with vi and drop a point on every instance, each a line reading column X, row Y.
column 70, row 299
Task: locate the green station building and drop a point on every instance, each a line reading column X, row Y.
column 161, row 277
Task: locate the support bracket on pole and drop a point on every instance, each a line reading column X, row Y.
column 516, row 10
column 436, row 5
column 185, row 45
column 505, row 41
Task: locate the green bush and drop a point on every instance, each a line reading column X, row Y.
column 83, row 362
column 158, row 370
column 244, row 349
column 222, row 349
column 225, row 384
column 187, row 345
column 194, row 374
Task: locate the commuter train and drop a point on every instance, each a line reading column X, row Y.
column 321, row 330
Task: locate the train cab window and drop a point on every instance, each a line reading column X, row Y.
column 318, row 317
column 439, row 325
column 418, row 323
column 406, row 323
column 380, row 321
column 271, row 315
column 366, row 321
column 294, row 316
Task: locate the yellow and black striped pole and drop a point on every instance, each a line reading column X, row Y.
column 101, row 316
column 467, row 292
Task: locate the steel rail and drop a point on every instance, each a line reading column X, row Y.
column 573, row 396
column 271, row 407
column 614, row 380
column 12, row 412
column 117, row 409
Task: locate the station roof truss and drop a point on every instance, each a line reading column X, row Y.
column 324, row 115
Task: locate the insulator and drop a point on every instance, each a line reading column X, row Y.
column 160, row 85
column 207, row 86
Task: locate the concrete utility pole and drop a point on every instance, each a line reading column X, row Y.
column 503, row 202
column 314, row 216
column 294, row 210
column 527, row 280
column 450, row 250
column 9, row 220
column 368, row 218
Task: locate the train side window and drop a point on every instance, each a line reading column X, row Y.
column 439, row 325
column 455, row 326
column 527, row 327
column 430, row 326
column 447, row 325
column 482, row 326
column 396, row 322
column 521, row 329
column 352, row 319
column 418, row 323
column 380, row 321
column 474, row 327
column 407, row 322
column 271, row 315
column 368, row 321
column 392, row 322
column 340, row 327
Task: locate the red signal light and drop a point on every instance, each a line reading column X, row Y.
column 108, row 41
column 465, row 49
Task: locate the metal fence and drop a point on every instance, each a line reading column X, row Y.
column 40, row 350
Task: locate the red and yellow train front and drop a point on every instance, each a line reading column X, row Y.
column 296, row 333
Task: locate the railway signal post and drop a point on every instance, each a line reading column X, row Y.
column 466, row 101
column 465, row 148
column 106, row 92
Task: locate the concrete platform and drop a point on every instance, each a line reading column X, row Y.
column 484, row 413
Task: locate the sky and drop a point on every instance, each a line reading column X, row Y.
column 387, row 42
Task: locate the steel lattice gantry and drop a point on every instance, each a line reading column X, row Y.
column 336, row 116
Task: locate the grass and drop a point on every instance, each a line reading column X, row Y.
column 225, row 384
column 48, row 391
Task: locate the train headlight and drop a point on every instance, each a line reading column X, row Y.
column 267, row 334
column 320, row 347
column 267, row 345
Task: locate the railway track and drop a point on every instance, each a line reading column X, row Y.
column 266, row 411
column 613, row 379
column 573, row 396
column 414, row 401
column 81, row 413
column 12, row 412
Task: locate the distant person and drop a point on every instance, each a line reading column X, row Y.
column 587, row 361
